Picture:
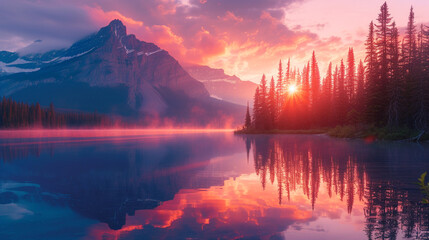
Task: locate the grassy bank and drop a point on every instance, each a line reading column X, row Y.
column 350, row 131
column 383, row 133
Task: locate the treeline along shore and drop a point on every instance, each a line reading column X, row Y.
column 18, row 115
column 385, row 95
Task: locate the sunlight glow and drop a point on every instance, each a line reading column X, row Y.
column 292, row 89
column 113, row 132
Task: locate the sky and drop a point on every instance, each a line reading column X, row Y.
column 247, row 38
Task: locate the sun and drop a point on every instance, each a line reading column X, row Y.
column 292, row 89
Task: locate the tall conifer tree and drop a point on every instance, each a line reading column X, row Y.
column 248, row 119
column 350, row 82
column 360, row 88
column 279, row 88
column 272, row 105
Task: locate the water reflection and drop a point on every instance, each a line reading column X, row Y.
column 108, row 179
column 380, row 175
column 297, row 162
column 210, row 185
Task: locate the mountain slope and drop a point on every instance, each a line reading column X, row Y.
column 223, row 86
column 115, row 73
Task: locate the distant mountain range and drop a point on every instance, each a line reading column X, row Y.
column 223, row 86
column 114, row 73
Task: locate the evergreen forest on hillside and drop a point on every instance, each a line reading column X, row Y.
column 21, row 115
column 388, row 89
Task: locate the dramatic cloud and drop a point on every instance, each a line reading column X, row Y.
column 228, row 34
column 234, row 35
column 246, row 38
column 57, row 25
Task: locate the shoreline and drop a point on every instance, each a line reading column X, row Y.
column 278, row 131
column 351, row 132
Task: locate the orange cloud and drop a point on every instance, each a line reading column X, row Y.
column 243, row 41
column 203, row 44
column 230, row 16
column 103, row 18
column 166, row 7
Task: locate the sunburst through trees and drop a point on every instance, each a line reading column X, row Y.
column 388, row 88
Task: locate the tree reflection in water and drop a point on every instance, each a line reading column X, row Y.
column 345, row 168
column 201, row 185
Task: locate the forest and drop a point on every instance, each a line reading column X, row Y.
column 21, row 115
column 388, row 89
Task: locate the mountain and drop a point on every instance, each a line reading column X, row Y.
column 117, row 74
column 223, row 86
column 29, row 59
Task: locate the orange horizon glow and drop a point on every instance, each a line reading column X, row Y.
column 117, row 132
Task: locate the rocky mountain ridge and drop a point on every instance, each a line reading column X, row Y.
column 116, row 73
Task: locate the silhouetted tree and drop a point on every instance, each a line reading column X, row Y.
column 257, row 121
column 360, row 88
column 21, row 115
column 371, row 83
column 395, row 78
column 279, row 88
column 326, row 99
column 380, row 92
column 389, row 88
column 272, row 105
column 350, row 81
column 248, row 120
column 315, row 89
column 341, row 98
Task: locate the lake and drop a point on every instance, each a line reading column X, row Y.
column 180, row 184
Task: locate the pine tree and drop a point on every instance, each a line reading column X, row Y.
column 371, row 73
column 327, row 97
column 409, row 74
column 315, row 83
column 390, row 89
column 342, row 96
column 19, row 115
column 264, row 111
column 327, row 84
column 305, row 95
column 287, row 79
column 279, row 90
column 38, row 115
column 247, row 120
column 297, row 77
column 272, row 105
column 360, row 88
column 350, row 83
column 421, row 105
column 335, row 96
column 257, row 110
column 425, row 71
column 262, row 106
column 395, row 84
column 380, row 94
column 409, row 50
column 51, row 116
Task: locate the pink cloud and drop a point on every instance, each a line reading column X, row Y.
column 212, row 32
column 246, row 38
column 102, row 18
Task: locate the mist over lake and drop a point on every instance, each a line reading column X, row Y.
column 203, row 185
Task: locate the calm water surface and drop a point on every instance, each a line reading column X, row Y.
column 208, row 185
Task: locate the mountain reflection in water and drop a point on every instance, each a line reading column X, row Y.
column 212, row 185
